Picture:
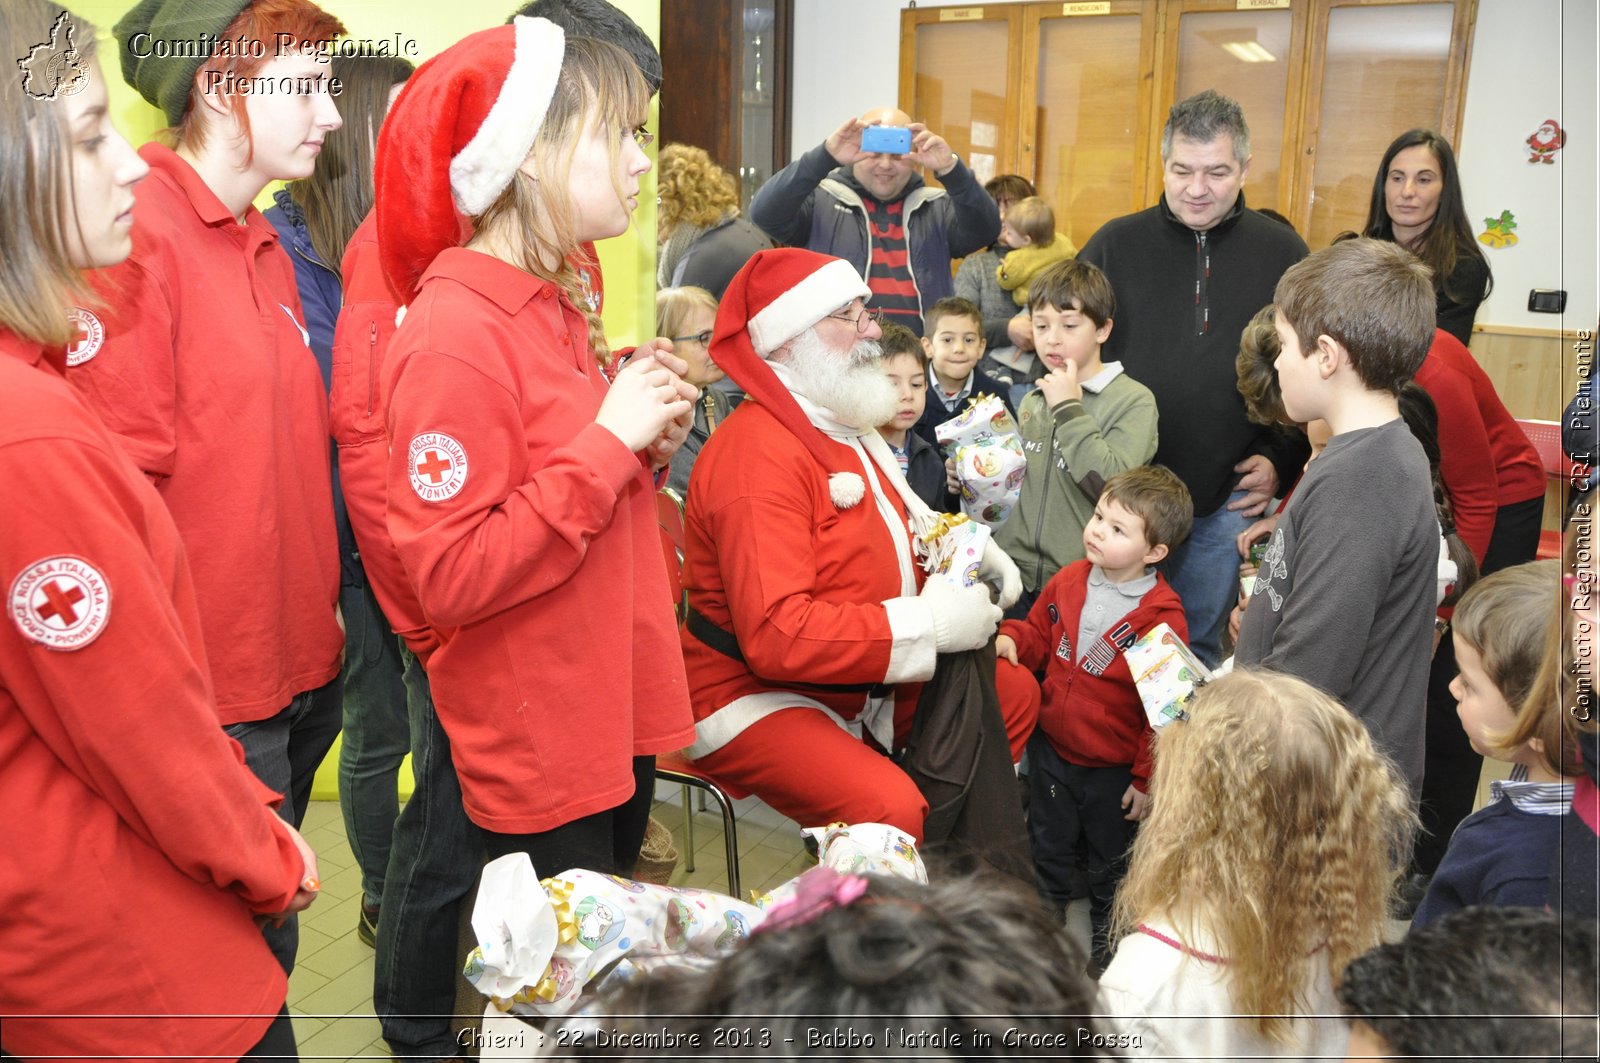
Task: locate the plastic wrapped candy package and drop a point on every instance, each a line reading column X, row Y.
column 989, row 460
column 990, row 474
column 985, row 417
column 953, row 550
column 542, row 943
column 866, row 849
column 1166, row 673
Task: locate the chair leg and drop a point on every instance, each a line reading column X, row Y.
column 688, row 830
column 730, row 840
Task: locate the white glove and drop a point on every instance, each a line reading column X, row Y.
column 997, row 567
column 964, row 618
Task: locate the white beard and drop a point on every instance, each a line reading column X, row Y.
column 852, row 387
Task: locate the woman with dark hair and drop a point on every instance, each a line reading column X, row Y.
column 1416, row 203
column 141, row 850
column 315, row 217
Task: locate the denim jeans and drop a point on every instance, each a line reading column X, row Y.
column 284, row 750
column 1204, row 570
column 433, row 865
column 377, row 736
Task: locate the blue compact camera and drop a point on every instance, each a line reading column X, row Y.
column 886, row 140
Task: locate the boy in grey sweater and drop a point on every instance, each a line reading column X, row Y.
column 1345, row 595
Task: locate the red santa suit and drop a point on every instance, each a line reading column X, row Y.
column 199, row 364
column 805, row 635
column 138, row 846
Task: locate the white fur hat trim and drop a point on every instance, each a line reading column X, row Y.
column 815, row 296
column 482, row 170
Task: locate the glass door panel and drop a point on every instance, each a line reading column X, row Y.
column 1088, row 125
column 1384, row 73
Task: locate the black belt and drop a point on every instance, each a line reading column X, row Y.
column 725, row 643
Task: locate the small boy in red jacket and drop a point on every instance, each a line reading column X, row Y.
column 1090, row 757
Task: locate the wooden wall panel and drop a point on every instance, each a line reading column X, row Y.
column 1534, row 372
column 1530, row 371
column 698, row 91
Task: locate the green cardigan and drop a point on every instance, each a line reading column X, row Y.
column 1072, row 451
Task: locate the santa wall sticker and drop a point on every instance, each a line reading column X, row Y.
column 1548, row 139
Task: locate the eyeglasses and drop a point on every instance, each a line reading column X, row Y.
column 702, row 338
column 863, row 320
column 643, row 137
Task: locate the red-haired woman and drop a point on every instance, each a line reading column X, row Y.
column 199, row 364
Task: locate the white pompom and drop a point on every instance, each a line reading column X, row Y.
column 846, row 489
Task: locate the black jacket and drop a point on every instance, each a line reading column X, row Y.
column 719, row 253
column 925, row 474
column 816, row 203
column 1183, row 348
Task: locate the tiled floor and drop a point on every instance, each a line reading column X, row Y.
column 330, row 993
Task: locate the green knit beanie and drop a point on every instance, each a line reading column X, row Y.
column 163, row 43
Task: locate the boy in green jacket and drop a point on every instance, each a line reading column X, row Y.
column 1084, row 422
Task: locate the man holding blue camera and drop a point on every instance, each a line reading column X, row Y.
column 857, row 196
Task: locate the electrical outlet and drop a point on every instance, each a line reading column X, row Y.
column 1547, row 301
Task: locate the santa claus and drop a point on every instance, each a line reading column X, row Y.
column 1546, row 141
column 811, row 627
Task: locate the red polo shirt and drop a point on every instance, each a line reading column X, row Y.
column 360, row 345
column 198, row 362
column 137, row 844
column 529, row 534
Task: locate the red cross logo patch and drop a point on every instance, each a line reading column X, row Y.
column 88, row 336
column 62, row 603
column 438, row 466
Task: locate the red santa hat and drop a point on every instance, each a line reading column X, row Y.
column 776, row 296
column 456, row 137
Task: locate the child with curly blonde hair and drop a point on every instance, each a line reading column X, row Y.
column 1276, row 834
